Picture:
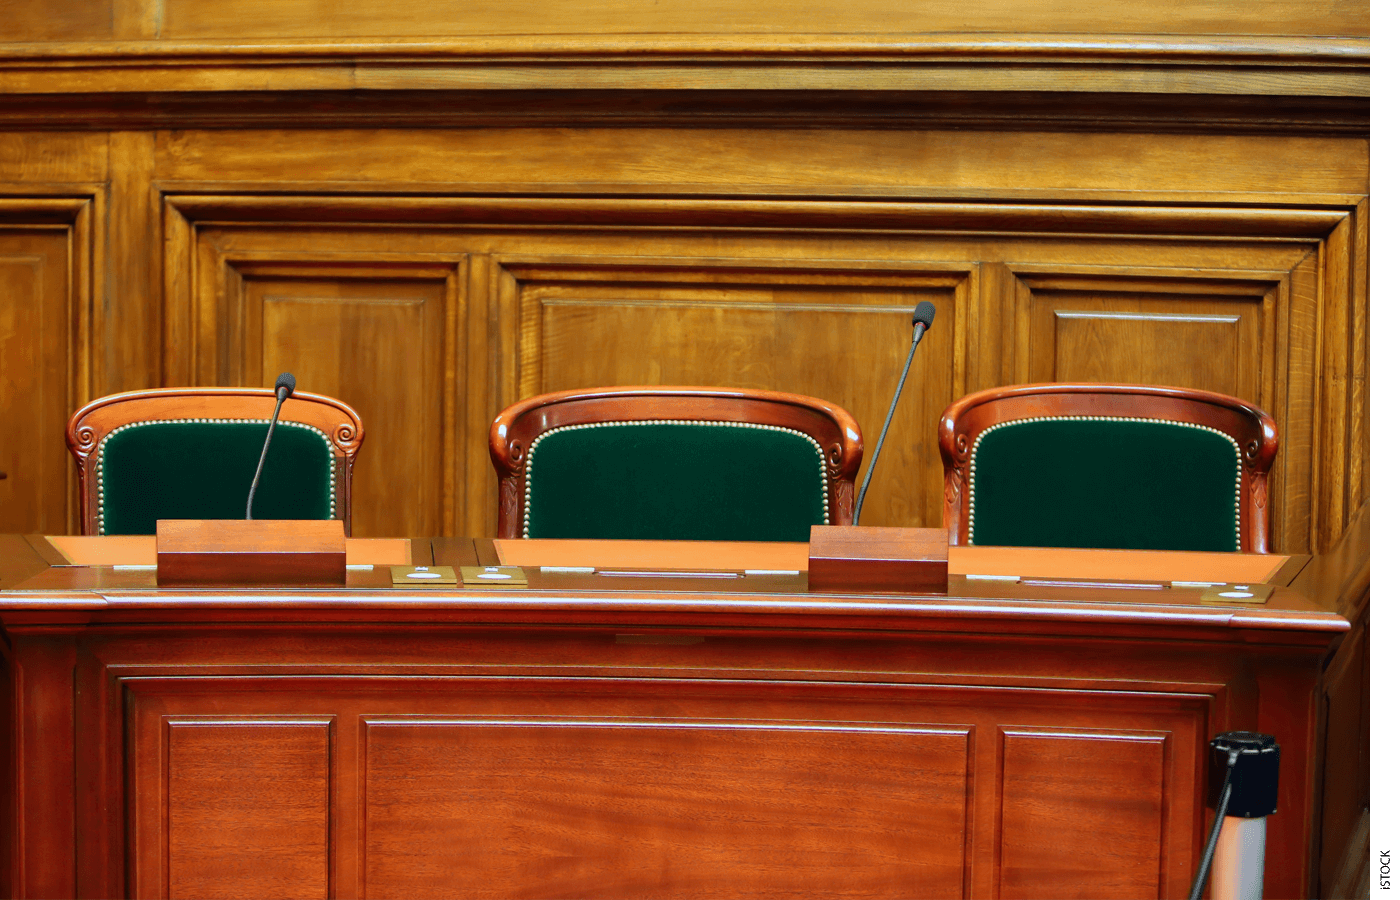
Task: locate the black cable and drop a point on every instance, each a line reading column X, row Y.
column 1209, row 854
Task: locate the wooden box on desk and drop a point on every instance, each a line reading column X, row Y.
column 884, row 560
column 252, row 551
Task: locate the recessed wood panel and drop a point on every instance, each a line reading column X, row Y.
column 1153, row 333
column 35, row 387
column 376, row 337
column 842, row 336
column 248, row 806
column 655, row 808
column 1082, row 815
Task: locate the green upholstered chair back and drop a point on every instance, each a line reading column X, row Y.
column 1107, row 466
column 673, row 464
column 145, row 457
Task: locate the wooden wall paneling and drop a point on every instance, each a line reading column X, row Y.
column 1249, row 333
column 383, row 335
column 1335, row 404
column 1295, row 487
column 845, row 169
column 46, row 263
column 838, row 330
column 198, row 19
column 1161, row 255
column 132, row 309
column 1358, row 372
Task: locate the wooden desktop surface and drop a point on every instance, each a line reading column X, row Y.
column 642, row 734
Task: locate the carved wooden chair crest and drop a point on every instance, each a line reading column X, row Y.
column 1105, row 465
column 189, row 453
column 673, row 463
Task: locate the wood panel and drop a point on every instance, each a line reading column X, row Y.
column 379, row 334
column 651, row 807
column 528, row 785
column 245, row 808
column 841, row 334
column 45, row 255
column 1051, row 845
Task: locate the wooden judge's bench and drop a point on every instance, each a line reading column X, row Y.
column 680, row 721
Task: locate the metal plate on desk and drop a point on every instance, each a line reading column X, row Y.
column 493, row 576
column 423, row 576
column 1237, row 593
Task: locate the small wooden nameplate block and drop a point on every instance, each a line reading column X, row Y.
column 252, row 551
column 854, row 558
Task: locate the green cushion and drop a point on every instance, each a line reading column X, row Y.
column 1116, row 483
column 195, row 469
column 674, row 481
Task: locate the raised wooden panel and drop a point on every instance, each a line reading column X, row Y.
column 41, row 318
column 838, row 334
column 247, row 803
column 648, row 808
column 380, row 335
column 1186, row 331
column 184, row 19
column 1083, row 815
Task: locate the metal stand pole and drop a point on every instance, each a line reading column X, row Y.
column 1244, row 769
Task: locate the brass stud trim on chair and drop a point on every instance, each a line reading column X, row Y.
column 530, row 457
column 99, row 454
column 972, row 457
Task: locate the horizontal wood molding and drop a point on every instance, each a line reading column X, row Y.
column 861, row 78
column 843, row 214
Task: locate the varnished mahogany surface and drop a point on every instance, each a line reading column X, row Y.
column 660, row 737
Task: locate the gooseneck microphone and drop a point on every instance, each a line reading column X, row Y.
column 286, row 384
column 923, row 318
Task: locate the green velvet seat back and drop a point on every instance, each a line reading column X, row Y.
column 674, row 481
column 202, row 469
column 1106, row 483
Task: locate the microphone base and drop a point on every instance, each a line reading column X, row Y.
column 237, row 552
column 856, row 559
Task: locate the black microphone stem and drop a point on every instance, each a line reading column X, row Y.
column 281, row 395
column 860, row 500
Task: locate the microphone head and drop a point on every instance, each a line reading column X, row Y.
column 923, row 314
column 288, row 380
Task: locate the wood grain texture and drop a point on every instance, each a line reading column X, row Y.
column 492, row 690
column 46, row 263
column 246, row 806
column 662, row 808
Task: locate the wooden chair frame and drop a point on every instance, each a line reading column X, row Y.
column 518, row 426
column 1252, row 430
column 90, row 425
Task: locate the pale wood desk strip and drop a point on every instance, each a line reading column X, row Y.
column 140, row 550
column 1039, row 562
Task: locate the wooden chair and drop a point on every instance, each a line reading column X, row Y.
column 189, row 453
column 1107, row 465
column 674, row 463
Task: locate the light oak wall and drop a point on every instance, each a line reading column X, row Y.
column 431, row 227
